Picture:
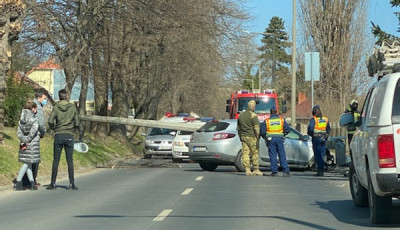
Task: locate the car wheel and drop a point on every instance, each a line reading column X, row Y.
column 146, row 156
column 239, row 162
column 208, row 166
column 358, row 192
column 379, row 206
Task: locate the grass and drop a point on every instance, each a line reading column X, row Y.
column 100, row 153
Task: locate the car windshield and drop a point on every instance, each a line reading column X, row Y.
column 160, row 131
column 213, row 127
column 263, row 105
column 396, row 104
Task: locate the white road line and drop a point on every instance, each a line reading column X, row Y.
column 162, row 215
column 199, row 178
column 187, row 191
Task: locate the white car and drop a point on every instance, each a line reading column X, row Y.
column 180, row 146
column 375, row 171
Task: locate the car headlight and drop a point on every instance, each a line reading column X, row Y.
column 179, row 143
column 149, row 141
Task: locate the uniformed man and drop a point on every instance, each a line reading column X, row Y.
column 273, row 130
column 351, row 128
column 248, row 128
column 319, row 129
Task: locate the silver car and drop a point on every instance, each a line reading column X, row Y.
column 158, row 143
column 217, row 143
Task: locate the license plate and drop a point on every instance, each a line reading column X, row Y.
column 164, row 147
column 199, row 149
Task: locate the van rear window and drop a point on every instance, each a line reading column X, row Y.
column 396, row 104
column 213, row 127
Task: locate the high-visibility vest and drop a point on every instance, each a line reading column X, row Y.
column 275, row 126
column 320, row 124
column 351, row 128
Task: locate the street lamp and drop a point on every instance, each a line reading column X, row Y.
column 259, row 71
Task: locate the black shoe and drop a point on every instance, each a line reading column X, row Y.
column 18, row 186
column 320, row 173
column 287, row 174
column 72, row 187
column 51, row 187
column 33, row 186
column 273, row 174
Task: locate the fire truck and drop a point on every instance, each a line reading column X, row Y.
column 265, row 100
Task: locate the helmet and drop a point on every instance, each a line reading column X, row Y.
column 354, row 101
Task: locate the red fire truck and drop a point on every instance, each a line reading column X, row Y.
column 265, row 100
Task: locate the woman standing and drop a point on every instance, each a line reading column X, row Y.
column 29, row 153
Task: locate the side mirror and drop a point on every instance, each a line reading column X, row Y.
column 346, row 119
column 228, row 108
column 229, row 101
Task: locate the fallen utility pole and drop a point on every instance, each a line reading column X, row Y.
column 185, row 126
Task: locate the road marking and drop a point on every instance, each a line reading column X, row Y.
column 199, row 178
column 187, row 191
column 162, row 215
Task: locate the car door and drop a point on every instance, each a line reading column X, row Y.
column 396, row 123
column 359, row 139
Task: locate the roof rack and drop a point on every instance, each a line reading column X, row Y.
column 385, row 60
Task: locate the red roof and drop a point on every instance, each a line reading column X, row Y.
column 49, row 64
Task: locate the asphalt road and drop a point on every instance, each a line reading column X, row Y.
column 188, row 198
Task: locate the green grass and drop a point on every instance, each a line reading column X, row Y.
column 100, row 152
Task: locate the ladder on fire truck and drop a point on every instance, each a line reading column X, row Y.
column 385, row 60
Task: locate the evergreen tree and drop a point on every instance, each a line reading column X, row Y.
column 274, row 56
column 382, row 35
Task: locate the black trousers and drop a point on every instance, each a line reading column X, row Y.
column 61, row 141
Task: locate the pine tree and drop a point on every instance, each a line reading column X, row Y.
column 273, row 56
column 382, row 35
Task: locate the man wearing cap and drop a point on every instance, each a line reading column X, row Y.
column 351, row 128
column 273, row 130
column 248, row 128
column 319, row 129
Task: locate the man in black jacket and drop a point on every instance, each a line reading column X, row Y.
column 63, row 120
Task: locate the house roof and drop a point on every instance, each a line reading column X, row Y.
column 303, row 110
column 49, row 64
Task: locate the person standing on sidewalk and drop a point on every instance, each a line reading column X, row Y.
column 41, row 101
column 248, row 128
column 29, row 151
column 63, row 120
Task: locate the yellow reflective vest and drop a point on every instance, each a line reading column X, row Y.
column 320, row 124
column 275, row 126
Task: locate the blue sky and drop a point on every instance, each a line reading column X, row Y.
column 381, row 13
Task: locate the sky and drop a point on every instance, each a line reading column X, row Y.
column 380, row 12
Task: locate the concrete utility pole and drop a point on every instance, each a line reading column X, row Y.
column 293, row 122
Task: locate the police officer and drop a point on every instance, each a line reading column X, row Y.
column 319, row 129
column 351, row 128
column 248, row 128
column 273, row 130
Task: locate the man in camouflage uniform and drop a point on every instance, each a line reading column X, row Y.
column 248, row 128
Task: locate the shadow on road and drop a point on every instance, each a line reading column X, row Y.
column 345, row 211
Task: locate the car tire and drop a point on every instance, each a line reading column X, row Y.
column 239, row 162
column 379, row 206
column 146, row 156
column 358, row 192
column 208, row 166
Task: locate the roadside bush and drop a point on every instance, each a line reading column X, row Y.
column 17, row 93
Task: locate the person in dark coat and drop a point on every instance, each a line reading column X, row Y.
column 28, row 133
column 319, row 129
column 63, row 120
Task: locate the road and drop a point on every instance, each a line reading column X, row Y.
column 188, row 198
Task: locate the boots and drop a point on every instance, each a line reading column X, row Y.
column 248, row 172
column 33, row 185
column 320, row 173
column 18, row 186
column 257, row 172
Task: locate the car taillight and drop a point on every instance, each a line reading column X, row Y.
column 222, row 136
column 386, row 153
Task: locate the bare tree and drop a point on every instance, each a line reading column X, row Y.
column 338, row 30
